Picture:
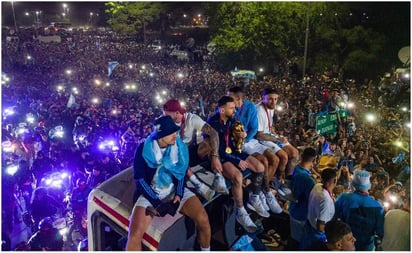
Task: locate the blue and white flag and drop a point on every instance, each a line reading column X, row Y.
column 399, row 158
column 72, row 101
column 112, row 65
column 98, row 46
column 72, row 46
column 202, row 106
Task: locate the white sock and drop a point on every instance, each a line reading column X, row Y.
column 267, row 193
column 194, row 180
column 241, row 210
column 205, row 249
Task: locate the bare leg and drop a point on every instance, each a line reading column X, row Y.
column 293, row 154
column 283, row 160
column 255, row 165
column 194, row 210
column 139, row 222
column 273, row 163
column 232, row 173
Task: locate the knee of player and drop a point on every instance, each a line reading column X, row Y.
column 202, row 220
column 272, row 158
column 264, row 160
column 294, row 153
column 283, row 156
column 260, row 167
column 237, row 179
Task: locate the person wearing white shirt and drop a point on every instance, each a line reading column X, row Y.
column 192, row 126
column 321, row 209
column 266, row 135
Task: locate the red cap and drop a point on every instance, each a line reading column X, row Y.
column 173, row 105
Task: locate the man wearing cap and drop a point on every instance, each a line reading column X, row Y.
column 246, row 113
column 234, row 163
column 364, row 214
column 278, row 144
column 160, row 167
column 192, row 125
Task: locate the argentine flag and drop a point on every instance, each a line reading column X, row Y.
column 71, row 102
column 112, row 65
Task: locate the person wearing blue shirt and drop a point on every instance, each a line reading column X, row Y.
column 234, row 163
column 301, row 185
column 364, row 214
column 159, row 171
column 246, row 113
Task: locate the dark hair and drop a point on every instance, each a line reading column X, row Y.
column 308, row 154
column 224, row 100
column 336, row 229
column 236, row 89
column 269, row 90
column 327, row 174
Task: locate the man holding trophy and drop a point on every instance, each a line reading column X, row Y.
column 246, row 114
column 234, row 163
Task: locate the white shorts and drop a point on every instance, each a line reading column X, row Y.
column 253, row 146
column 271, row 145
column 143, row 202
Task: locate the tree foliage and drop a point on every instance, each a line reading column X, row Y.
column 128, row 18
column 248, row 34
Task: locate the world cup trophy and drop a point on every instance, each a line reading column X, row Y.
column 239, row 141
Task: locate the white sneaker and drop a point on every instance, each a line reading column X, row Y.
column 273, row 203
column 205, row 191
column 263, row 200
column 255, row 204
column 219, row 184
column 246, row 222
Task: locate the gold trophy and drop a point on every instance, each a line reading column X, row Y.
column 238, row 127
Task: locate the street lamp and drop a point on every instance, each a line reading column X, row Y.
column 91, row 17
column 370, row 117
column 37, row 19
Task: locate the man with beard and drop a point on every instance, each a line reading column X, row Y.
column 235, row 163
column 266, row 133
column 246, row 113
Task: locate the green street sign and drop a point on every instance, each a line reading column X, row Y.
column 343, row 113
column 327, row 124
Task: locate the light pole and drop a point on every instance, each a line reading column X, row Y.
column 91, row 17
column 65, row 10
column 305, row 54
column 14, row 16
column 37, row 19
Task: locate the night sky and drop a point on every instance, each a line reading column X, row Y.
column 78, row 11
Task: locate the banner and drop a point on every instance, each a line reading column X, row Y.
column 71, row 102
column 243, row 73
column 112, row 65
column 327, row 124
column 343, row 113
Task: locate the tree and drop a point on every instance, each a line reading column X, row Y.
column 257, row 32
column 128, row 18
column 248, row 34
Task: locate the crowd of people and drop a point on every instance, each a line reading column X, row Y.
column 64, row 112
